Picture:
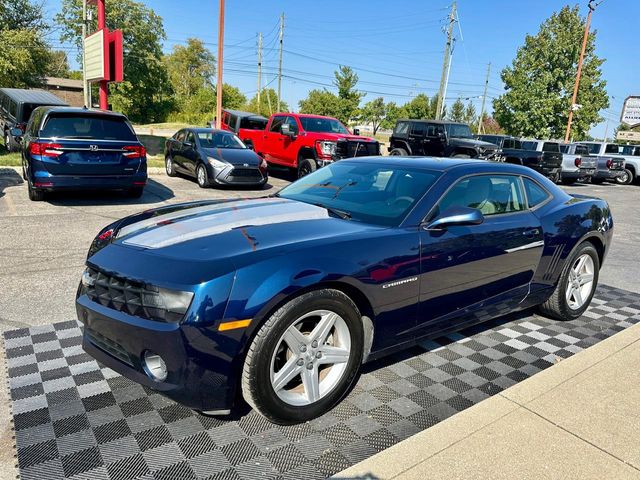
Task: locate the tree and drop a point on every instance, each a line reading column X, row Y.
column 470, row 117
column 146, row 93
column 232, row 97
column 58, row 65
column 345, row 81
column 374, row 112
column 490, row 125
column 322, row 102
column 392, row 115
column 539, row 83
column 24, row 56
column 457, row 113
column 420, row 107
column 268, row 103
column 190, row 68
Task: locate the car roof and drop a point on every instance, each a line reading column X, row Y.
column 81, row 110
column 242, row 113
column 32, row 96
column 426, row 120
column 439, row 164
column 205, row 129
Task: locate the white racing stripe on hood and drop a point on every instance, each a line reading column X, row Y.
column 186, row 212
column 206, row 225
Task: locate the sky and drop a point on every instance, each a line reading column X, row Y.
column 396, row 47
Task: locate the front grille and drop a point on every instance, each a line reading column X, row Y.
column 245, row 175
column 127, row 296
column 112, row 348
column 354, row 148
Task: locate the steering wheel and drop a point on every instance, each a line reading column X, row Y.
column 404, row 198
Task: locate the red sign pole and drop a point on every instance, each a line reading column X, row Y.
column 104, row 100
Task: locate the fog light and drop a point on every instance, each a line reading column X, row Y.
column 154, row 366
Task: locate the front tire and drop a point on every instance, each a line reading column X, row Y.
column 576, row 285
column 306, row 166
column 305, row 357
column 202, row 176
column 169, row 166
column 398, row 152
column 626, row 178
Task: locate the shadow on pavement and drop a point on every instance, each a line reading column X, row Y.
column 154, row 192
column 9, row 178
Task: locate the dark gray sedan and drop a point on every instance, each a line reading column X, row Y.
column 213, row 157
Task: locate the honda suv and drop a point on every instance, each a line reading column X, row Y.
column 74, row 148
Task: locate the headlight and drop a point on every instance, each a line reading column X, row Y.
column 327, row 148
column 167, row 305
column 215, row 163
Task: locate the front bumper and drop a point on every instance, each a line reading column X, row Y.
column 238, row 175
column 198, row 376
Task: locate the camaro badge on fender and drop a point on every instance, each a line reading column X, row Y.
column 399, row 282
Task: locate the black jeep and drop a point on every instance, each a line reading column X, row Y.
column 435, row 138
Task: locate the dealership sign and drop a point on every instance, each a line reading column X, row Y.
column 631, row 111
column 103, row 56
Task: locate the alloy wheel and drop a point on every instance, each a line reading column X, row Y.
column 310, row 358
column 202, row 177
column 169, row 165
column 580, row 281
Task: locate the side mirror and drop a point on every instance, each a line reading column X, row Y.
column 456, row 216
column 285, row 129
column 17, row 134
column 356, row 131
column 440, row 135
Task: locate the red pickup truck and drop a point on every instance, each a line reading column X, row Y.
column 307, row 142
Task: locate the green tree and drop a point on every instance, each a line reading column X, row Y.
column 374, row 112
column 470, row 116
column 268, row 103
column 345, row 81
column 24, row 56
column 58, row 64
column 539, row 83
column 190, row 68
column 393, row 113
column 457, row 113
column 420, row 107
column 145, row 95
column 322, row 102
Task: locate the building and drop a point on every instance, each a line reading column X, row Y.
column 68, row 90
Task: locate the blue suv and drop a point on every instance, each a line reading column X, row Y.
column 66, row 148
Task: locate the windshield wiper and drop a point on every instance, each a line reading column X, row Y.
column 339, row 189
column 338, row 213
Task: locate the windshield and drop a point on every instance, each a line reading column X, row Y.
column 91, row 126
column 322, row 125
column 366, row 192
column 212, row 139
column 458, row 130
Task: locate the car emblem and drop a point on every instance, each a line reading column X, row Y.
column 93, row 148
column 245, row 164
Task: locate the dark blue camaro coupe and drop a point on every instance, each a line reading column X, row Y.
column 282, row 298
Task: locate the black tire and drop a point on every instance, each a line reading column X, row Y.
column 398, row 152
column 169, row 167
column 461, row 155
column 569, row 181
column 257, row 389
column 7, row 142
column 557, row 306
column 35, row 195
column 306, row 166
column 597, row 181
column 626, row 179
column 202, row 177
column 135, row 192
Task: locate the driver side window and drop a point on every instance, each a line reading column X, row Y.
column 491, row 194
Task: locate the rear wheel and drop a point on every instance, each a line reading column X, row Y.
column 35, row 195
column 398, row 152
column 135, row 192
column 202, row 176
column 305, row 358
column 626, row 178
column 306, row 166
column 169, row 167
column 576, row 285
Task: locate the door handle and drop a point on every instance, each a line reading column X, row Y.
column 531, row 232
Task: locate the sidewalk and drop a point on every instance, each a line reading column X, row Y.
column 578, row 419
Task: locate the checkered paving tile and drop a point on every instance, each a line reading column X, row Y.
column 76, row 419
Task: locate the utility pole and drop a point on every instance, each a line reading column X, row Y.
column 447, row 62
column 259, row 67
column 220, row 63
column 592, row 7
column 104, row 84
column 85, row 84
column 280, row 62
column 484, row 97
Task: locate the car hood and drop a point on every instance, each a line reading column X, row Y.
column 228, row 229
column 339, row 136
column 234, row 156
column 472, row 142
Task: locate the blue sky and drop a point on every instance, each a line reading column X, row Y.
column 396, row 47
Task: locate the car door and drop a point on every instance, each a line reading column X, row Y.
column 273, row 140
column 176, row 149
column 470, row 273
column 434, row 141
column 189, row 153
column 417, row 138
column 290, row 143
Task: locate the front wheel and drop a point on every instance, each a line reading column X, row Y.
column 202, row 176
column 398, row 152
column 305, row 357
column 169, row 166
column 626, row 178
column 576, row 285
column 307, row 166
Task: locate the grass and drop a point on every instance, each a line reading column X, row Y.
column 164, row 126
column 8, row 159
